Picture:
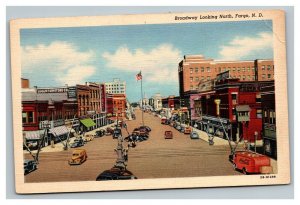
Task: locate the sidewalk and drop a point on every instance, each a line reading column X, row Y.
column 60, row 147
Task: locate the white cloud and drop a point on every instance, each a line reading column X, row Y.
column 63, row 60
column 157, row 65
column 240, row 47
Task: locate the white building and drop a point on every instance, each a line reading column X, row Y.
column 116, row 87
column 157, row 102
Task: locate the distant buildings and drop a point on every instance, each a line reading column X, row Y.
column 194, row 69
column 116, row 86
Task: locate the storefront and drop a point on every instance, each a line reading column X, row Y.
column 86, row 124
column 32, row 138
column 58, row 134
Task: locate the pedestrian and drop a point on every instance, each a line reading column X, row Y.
column 195, row 125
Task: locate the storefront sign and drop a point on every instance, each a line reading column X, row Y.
column 72, row 92
column 52, row 90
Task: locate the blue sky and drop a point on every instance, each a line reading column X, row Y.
column 59, row 56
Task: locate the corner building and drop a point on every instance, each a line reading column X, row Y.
column 194, row 69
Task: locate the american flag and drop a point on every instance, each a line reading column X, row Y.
column 139, row 76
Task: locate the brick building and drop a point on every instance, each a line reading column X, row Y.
column 240, row 107
column 195, row 68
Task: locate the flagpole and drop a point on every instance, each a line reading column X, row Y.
column 142, row 98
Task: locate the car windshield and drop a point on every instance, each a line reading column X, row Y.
column 75, row 154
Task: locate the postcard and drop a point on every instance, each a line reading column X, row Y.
column 152, row 101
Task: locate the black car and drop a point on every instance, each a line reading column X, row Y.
column 115, row 174
column 29, row 166
column 77, row 144
column 100, row 133
column 117, row 133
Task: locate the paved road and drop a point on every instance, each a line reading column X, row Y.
column 154, row 158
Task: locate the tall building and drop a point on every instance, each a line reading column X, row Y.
column 157, row 103
column 196, row 68
column 116, row 86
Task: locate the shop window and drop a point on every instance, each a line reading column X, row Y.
column 24, row 117
column 258, row 113
column 258, row 98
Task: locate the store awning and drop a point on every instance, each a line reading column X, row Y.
column 243, row 108
column 88, row 122
column 32, row 135
column 58, row 131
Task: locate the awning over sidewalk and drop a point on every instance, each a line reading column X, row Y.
column 88, row 122
column 32, row 135
column 243, row 108
column 58, row 131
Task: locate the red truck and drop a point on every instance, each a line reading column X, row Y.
column 251, row 163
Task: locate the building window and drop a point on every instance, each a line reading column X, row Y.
column 191, row 79
column 258, row 98
column 258, row 113
column 202, row 69
column 263, row 67
column 244, row 77
column 191, row 87
column 253, row 77
column 202, row 78
column 224, row 69
column 229, row 68
column 191, row 70
column 244, row 69
column 233, row 69
column 269, row 76
column 196, row 70
column 28, row 117
column 197, row 79
column 249, row 69
column 208, row 78
column 238, row 69
column 263, row 76
column 219, row 69
column 249, row 78
column 24, row 117
column 208, row 69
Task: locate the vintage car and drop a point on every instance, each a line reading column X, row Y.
column 168, row 135
column 194, row 135
column 163, row 120
column 187, row 130
column 251, row 163
column 79, row 142
column 78, row 157
column 115, row 174
column 147, row 128
column 100, row 133
column 109, row 131
column 88, row 138
column 29, row 166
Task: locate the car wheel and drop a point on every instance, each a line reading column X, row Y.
column 245, row 171
column 234, row 166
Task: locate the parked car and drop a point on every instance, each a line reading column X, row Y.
column 187, row 130
column 88, row 138
column 29, row 166
column 178, row 127
column 115, row 174
column 251, row 163
column 77, row 143
column 194, row 135
column 163, row 120
column 100, row 133
column 168, row 135
column 109, row 131
column 78, row 157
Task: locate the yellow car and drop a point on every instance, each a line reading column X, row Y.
column 78, row 157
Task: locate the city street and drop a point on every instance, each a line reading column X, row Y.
column 155, row 158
